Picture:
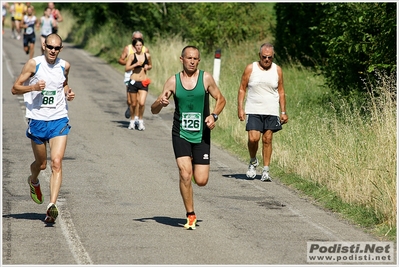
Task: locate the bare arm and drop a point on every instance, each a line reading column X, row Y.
column 281, row 92
column 149, row 65
column 59, row 16
column 163, row 98
column 27, row 71
column 70, row 95
column 214, row 91
column 242, row 91
column 122, row 59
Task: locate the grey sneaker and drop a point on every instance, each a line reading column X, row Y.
column 265, row 176
column 251, row 172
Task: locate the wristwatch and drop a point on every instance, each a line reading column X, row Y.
column 215, row 116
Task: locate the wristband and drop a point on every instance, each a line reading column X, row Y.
column 283, row 113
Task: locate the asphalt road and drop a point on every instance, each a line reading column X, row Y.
column 120, row 201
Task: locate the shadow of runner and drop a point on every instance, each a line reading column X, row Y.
column 240, row 176
column 27, row 216
column 175, row 222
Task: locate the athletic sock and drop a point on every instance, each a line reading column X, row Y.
column 190, row 213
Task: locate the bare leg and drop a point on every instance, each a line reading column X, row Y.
column 267, row 147
column 40, row 153
column 142, row 96
column 253, row 141
column 186, row 189
column 31, row 50
column 57, row 148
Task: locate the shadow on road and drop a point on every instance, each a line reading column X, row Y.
column 165, row 220
column 26, row 216
column 240, row 176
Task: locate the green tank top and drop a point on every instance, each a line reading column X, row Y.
column 191, row 109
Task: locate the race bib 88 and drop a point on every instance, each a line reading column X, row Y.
column 48, row 98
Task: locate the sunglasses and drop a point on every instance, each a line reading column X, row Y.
column 56, row 48
column 267, row 57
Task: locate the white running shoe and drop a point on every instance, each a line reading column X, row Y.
column 141, row 126
column 131, row 125
column 251, row 172
column 265, row 176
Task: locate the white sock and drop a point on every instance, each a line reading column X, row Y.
column 266, row 168
column 136, row 118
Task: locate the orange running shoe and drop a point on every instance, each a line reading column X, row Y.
column 191, row 220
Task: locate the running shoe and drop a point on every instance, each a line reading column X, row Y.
column 191, row 220
column 251, row 172
column 35, row 192
column 265, row 176
column 127, row 113
column 52, row 213
column 131, row 125
column 141, row 126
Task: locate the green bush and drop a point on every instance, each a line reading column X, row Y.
column 348, row 42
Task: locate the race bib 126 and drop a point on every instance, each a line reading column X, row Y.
column 191, row 121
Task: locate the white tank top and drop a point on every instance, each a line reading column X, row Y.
column 263, row 97
column 47, row 26
column 49, row 104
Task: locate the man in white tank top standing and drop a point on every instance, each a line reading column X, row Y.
column 265, row 109
column 44, row 84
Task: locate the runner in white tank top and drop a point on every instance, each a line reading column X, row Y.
column 265, row 99
column 44, row 83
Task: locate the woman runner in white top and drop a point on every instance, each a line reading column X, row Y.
column 46, row 25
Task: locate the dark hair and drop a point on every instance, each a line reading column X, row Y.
column 190, row 46
column 134, row 41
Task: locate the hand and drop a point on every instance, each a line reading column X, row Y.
column 241, row 115
column 70, row 95
column 40, row 85
column 284, row 118
column 210, row 122
column 164, row 101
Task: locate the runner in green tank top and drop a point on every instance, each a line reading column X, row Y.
column 191, row 107
column 192, row 123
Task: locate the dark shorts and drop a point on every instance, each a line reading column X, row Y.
column 134, row 88
column 42, row 131
column 31, row 38
column 199, row 152
column 262, row 123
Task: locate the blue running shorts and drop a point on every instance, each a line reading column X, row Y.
column 42, row 131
